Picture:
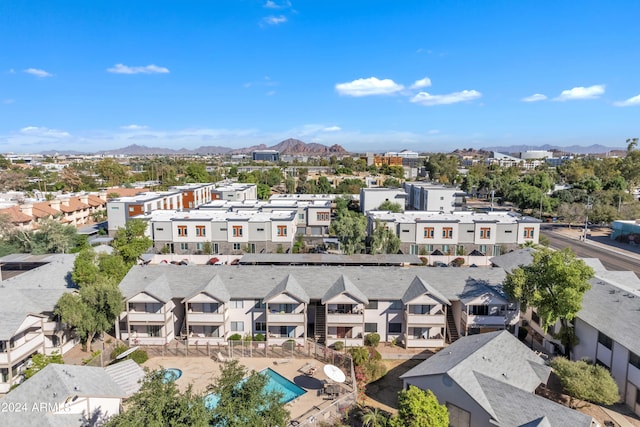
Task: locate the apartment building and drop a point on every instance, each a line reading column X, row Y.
column 418, row 307
column 372, row 198
column 235, row 191
column 423, row 196
column 445, row 236
column 217, row 232
column 30, row 289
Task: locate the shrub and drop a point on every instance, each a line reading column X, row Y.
column 372, row 340
column 289, row 345
column 235, row 337
column 139, row 356
column 118, row 350
column 457, row 262
column 374, row 354
column 338, row 345
column 360, row 355
column 259, row 337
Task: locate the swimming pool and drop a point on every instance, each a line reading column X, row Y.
column 275, row 382
column 171, row 374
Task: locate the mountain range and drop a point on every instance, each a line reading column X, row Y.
column 572, row 149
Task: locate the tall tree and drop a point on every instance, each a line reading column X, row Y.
column 351, row 229
column 554, row 284
column 160, row 403
column 419, row 408
column 131, row 241
column 384, row 240
column 388, row 205
column 585, row 381
column 91, row 311
column 246, row 401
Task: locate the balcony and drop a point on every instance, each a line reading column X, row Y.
column 337, row 318
column 424, row 343
column 208, row 318
column 141, row 316
column 474, row 321
column 50, row 327
column 285, row 318
column 349, row 342
column 425, row 319
column 34, row 342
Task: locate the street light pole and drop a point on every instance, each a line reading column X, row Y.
column 586, row 220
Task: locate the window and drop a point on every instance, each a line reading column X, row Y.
column 282, row 230
column 237, row 231
column 605, row 340
column 483, row 249
column 260, row 327
column 236, row 303
column 420, row 309
column 370, row 327
column 153, row 330
column 479, row 310
column 535, row 318
column 259, row 304
column 323, row 216
column 428, row 232
column 634, row 360
column 236, row 246
column 184, row 246
column 237, row 326
column 528, row 232
column 428, row 248
column 413, row 249
column 373, row 305
column 201, row 231
column 301, row 216
column 446, row 249
column 199, row 246
column 182, row 230
column 447, row 233
column 396, row 305
column 395, row 328
column 497, row 250
column 485, row 233
column 458, row 416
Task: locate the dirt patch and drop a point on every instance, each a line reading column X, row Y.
column 383, row 393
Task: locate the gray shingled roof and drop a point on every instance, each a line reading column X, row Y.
column 35, row 291
column 250, row 282
column 514, row 259
column 496, row 354
column 159, row 289
column 127, row 374
column 329, row 259
column 290, row 286
column 214, row 288
column 419, row 287
column 516, row 407
column 345, row 286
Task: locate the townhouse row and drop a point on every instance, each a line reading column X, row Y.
column 484, row 234
column 416, row 307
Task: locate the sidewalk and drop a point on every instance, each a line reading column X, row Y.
column 600, row 239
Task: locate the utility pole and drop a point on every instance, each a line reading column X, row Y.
column 586, row 219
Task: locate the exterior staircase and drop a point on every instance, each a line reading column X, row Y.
column 452, row 330
column 321, row 324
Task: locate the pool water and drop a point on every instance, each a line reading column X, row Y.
column 172, row 374
column 275, row 382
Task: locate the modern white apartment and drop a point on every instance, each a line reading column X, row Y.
column 445, row 236
column 425, row 196
column 216, row 232
column 418, row 307
column 27, row 323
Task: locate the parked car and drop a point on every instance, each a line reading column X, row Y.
column 439, row 264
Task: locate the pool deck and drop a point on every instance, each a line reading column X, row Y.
column 200, row 371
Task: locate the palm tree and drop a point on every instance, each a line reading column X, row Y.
column 374, row 418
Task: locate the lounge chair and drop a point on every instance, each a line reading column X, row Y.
column 281, row 361
column 222, row 358
column 309, row 369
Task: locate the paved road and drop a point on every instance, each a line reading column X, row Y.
column 611, row 260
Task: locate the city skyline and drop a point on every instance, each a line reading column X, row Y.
column 374, row 76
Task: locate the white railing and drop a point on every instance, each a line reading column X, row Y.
column 344, row 319
column 425, row 319
column 24, row 349
column 146, row 317
column 211, row 318
column 285, row 318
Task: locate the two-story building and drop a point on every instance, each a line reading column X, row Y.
column 426, row 196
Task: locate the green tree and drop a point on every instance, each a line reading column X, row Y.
column 130, row 241
column 390, row 206
column 419, row 408
column 384, row 240
column 245, row 401
column 91, row 311
column 160, row 403
column 391, row 183
column 374, row 417
column 197, row 172
column 554, row 284
column 85, row 268
column 112, row 172
column 264, row 191
column 324, row 186
column 39, row 361
column 351, row 230
column 584, row 381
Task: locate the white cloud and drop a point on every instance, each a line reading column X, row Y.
column 43, row 132
column 367, row 87
column 332, row 129
column 580, row 92
column 271, row 93
column 433, row 132
column 534, row 98
column 38, row 72
column 427, row 99
column 134, row 127
column 426, row 82
column 146, row 69
column 634, row 100
column 273, row 20
column 270, row 4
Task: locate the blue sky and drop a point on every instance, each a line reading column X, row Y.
column 370, row 76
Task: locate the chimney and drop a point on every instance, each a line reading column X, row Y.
column 55, row 204
column 103, row 195
column 27, row 209
column 84, row 198
column 65, row 201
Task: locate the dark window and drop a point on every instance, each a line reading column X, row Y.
column 395, row 328
column 260, row 326
column 535, row 318
column 634, row 360
column 396, row 305
column 371, row 327
column 479, row 310
column 373, row 305
column 605, row 340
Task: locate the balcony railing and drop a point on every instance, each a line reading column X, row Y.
column 286, row 318
column 209, row 318
column 424, row 343
column 425, row 319
column 344, row 319
column 472, row 320
column 137, row 316
column 24, row 349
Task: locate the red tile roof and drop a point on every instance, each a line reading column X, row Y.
column 16, row 215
